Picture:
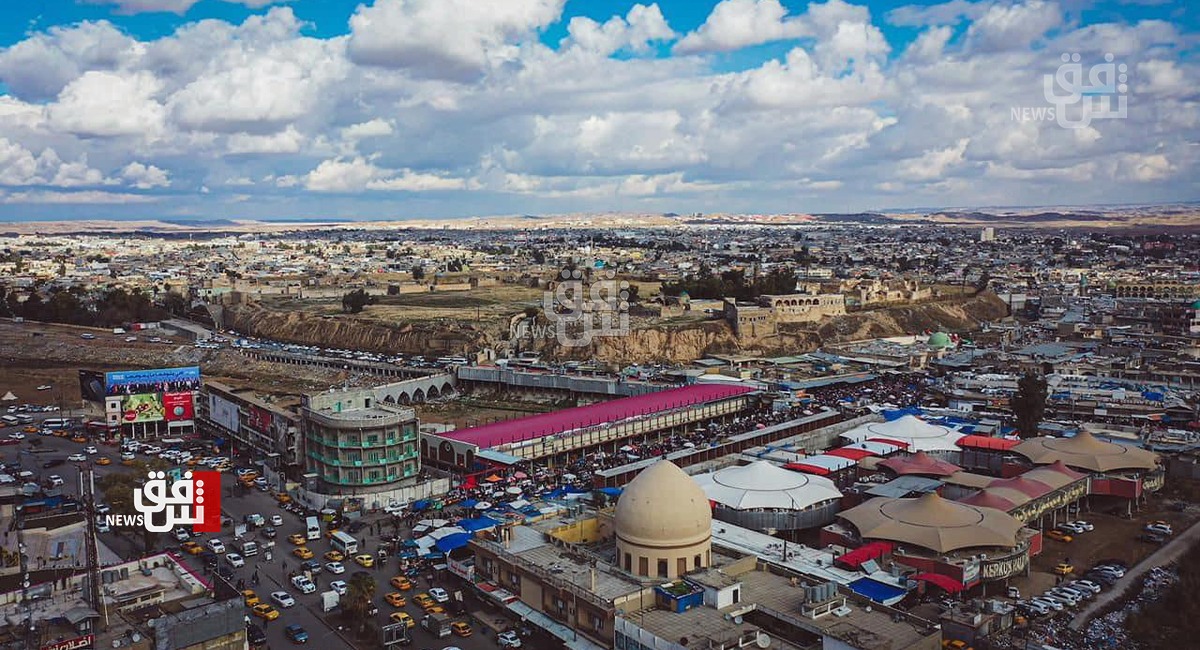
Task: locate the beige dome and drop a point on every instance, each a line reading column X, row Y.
column 663, row 507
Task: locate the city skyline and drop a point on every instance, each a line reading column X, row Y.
column 249, row 109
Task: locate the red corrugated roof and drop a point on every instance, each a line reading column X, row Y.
column 891, row 441
column 851, row 453
column 987, row 442
column 945, row 582
column 868, row 551
column 548, row 424
column 807, row 469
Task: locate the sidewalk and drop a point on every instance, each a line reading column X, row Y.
column 1165, row 555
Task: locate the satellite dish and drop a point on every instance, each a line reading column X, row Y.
column 116, row 643
column 136, row 636
column 762, row 640
column 737, row 620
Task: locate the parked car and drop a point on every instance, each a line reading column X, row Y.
column 1051, row 604
column 1060, row 536
column 1153, row 538
column 1085, row 584
column 1084, row 525
column 508, row 640
column 339, row 586
column 1159, row 527
column 283, row 598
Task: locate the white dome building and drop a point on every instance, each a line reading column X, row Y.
column 663, row 524
column 768, row 498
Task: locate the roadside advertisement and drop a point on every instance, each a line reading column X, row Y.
column 260, row 419
column 178, row 407
column 223, row 412
column 142, row 407
column 162, row 380
column 91, row 386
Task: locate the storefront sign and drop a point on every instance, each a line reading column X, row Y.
column 1010, row 566
column 80, row 643
column 1052, row 501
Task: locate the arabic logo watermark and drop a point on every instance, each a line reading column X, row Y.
column 584, row 308
column 193, row 498
column 1075, row 101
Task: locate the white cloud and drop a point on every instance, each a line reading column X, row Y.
column 357, row 174
column 94, row 197
column 171, row 6
column 933, row 164
column 946, row 13
column 734, row 24
column 145, row 177
column 641, row 26
column 1013, row 27
column 409, row 181
column 40, row 66
column 444, row 39
column 288, row 140
column 20, row 167
column 105, row 104
column 375, row 128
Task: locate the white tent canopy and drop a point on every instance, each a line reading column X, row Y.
column 9, row 397
column 918, row 434
column 763, row 485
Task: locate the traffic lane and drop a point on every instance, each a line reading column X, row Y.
column 258, row 502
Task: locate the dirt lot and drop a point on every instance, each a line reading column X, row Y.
column 489, row 305
column 1115, row 537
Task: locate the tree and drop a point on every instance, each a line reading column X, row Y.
column 418, row 272
column 354, row 301
column 360, row 593
column 1029, row 404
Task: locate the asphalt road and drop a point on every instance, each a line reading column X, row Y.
column 272, row 574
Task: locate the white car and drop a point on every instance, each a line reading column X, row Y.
column 276, row 520
column 439, row 595
column 128, row 456
column 16, row 436
column 90, row 450
column 338, row 586
column 235, row 560
column 1071, row 527
column 77, row 458
column 335, row 567
column 508, row 640
column 1083, row 524
column 56, row 480
column 216, row 546
column 305, row 585
column 182, row 534
column 1086, row 584
column 1161, row 529
column 1053, row 605
column 283, row 598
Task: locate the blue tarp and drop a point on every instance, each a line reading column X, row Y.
column 877, row 591
column 453, row 541
column 611, row 491
column 896, row 414
column 557, row 493
column 478, row 523
column 421, row 505
column 571, row 489
column 468, row 503
column 1153, row 396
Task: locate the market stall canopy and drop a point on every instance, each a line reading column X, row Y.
column 764, row 485
column 909, row 430
column 933, row 523
column 1085, row 451
column 920, row 463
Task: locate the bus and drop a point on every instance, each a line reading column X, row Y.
column 24, row 418
column 345, row 543
column 313, row 529
column 101, row 429
column 56, row 423
column 10, row 420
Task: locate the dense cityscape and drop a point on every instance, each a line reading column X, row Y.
column 461, row 325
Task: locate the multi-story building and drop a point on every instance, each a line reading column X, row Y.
column 251, row 426
column 355, row 443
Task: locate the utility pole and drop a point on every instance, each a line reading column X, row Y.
column 30, row 632
column 87, row 490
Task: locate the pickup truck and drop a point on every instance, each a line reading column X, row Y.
column 436, row 624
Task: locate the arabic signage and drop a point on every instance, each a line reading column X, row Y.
column 1053, row 501
column 79, row 643
column 1003, row 568
column 260, row 419
column 1153, row 482
column 142, row 407
column 194, row 499
column 178, row 407
column 162, row 380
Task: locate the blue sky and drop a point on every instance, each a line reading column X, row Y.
column 432, row 108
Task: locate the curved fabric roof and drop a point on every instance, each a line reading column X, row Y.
column 976, row 441
column 915, row 433
column 988, row 499
column 1056, row 475
column 1087, row 452
column 763, row 485
column 1023, row 484
column 920, row 463
column 933, row 523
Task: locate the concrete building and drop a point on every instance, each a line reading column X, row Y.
column 354, row 442
column 663, row 524
column 252, row 426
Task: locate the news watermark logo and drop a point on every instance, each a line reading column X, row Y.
column 1076, row 98
column 583, row 307
column 193, row 498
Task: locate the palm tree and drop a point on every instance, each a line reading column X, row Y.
column 360, row 593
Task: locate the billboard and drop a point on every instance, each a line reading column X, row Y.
column 91, row 386
column 223, row 412
column 142, row 407
column 260, row 419
column 178, row 407
column 162, row 380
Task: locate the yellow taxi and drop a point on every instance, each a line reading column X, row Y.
column 329, row 533
column 250, row 598
column 1062, row 569
column 191, row 548
column 129, row 462
column 435, row 609
column 30, row 429
column 302, row 552
column 80, row 439
column 424, row 600
column 1060, row 536
column 192, row 462
column 334, row 556
column 103, row 460
column 403, row 617
column 62, row 434
column 395, row 599
column 402, row 583
column 460, row 628
column 265, row 612
column 281, row 497
column 365, row 560
column 298, row 539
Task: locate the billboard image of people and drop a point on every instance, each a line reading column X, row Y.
column 260, row 419
column 91, row 386
column 223, row 412
column 178, row 407
column 142, row 407
column 161, row 380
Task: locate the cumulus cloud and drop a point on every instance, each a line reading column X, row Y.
column 640, row 27
column 106, row 104
column 171, row 6
column 145, row 177
column 444, row 39
column 734, row 24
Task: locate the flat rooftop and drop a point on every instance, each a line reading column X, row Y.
column 609, row 586
column 582, row 417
